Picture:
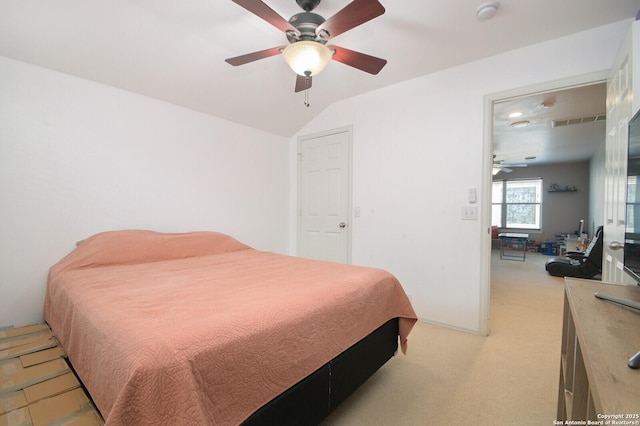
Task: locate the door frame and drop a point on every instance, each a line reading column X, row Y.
column 487, row 166
column 349, row 131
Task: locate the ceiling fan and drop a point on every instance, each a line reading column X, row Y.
column 308, row 33
column 499, row 166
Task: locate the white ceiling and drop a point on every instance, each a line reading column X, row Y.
column 564, row 126
column 174, row 50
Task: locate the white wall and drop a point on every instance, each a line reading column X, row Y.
column 418, row 147
column 77, row 157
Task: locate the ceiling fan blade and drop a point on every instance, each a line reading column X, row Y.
column 358, row 60
column 355, row 13
column 303, row 83
column 250, row 57
column 260, row 9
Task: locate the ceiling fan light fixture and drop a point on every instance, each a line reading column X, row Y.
column 307, row 58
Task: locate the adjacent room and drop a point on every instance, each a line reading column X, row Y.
column 185, row 138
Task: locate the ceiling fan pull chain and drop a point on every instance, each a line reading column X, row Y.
column 306, row 88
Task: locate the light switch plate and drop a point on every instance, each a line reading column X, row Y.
column 472, row 195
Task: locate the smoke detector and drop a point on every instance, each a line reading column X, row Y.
column 487, row 11
column 548, row 103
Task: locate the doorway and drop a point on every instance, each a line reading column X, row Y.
column 537, row 94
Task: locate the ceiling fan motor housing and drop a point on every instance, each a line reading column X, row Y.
column 307, row 23
column 308, row 5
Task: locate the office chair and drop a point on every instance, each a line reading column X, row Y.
column 578, row 264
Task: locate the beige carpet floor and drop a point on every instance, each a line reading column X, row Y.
column 451, row 377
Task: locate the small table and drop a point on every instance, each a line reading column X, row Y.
column 569, row 243
column 517, row 240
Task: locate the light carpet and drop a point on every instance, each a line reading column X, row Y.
column 451, row 377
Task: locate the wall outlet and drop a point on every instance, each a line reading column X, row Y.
column 469, row 213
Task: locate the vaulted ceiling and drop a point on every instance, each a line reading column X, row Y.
column 175, row 50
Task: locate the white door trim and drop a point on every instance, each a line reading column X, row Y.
column 349, row 131
column 487, row 158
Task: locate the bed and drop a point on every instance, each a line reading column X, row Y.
column 199, row 328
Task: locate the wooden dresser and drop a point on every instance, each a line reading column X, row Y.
column 598, row 339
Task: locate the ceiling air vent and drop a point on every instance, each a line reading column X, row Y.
column 569, row 121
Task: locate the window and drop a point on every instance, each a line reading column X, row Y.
column 516, row 204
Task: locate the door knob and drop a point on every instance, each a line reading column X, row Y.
column 342, row 225
column 614, row 245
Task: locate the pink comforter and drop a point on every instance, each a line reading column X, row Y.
column 198, row 328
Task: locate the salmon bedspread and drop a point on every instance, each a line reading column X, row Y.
column 198, row 328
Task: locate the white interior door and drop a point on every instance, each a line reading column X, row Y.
column 619, row 111
column 324, row 196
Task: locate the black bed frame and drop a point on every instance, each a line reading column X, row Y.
column 312, row 399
